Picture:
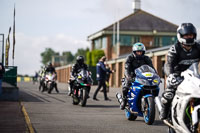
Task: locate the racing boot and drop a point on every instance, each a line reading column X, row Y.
column 70, row 91
column 124, row 99
column 166, row 100
column 164, row 111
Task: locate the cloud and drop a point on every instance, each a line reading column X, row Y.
column 28, row 49
column 115, row 8
column 64, row 25
column 198, row 33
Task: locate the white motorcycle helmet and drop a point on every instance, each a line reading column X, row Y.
column 138, row 47
column 185, row 29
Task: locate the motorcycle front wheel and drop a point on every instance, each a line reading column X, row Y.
column 130, row 116
column 51, row 86
column 75, row 99
column 149, row 111
column 83, row 97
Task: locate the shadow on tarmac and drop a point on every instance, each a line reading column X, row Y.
column 102, row 106
column 26, row 97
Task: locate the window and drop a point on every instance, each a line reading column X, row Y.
column 125, row 40
column 97, row 44
column 104, row 42
column 157, row 41
column 164, row 41
column 168, row 40
column 136, row 39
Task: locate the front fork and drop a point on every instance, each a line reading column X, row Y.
column 144, row 102
column 194, row 112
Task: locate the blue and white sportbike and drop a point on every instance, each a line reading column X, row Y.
column 140, row 97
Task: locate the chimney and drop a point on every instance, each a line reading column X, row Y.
column 136, row 5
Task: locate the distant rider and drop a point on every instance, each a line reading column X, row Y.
column 75, row 70
column 133, row 61
column 42, row 76
column 50, row 69
column 180, row 56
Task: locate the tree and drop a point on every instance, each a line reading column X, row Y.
column 69, row 56
column 47, row 55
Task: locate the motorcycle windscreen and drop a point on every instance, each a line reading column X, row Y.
column 147, row 76
column 195, row 68
column 144, row 69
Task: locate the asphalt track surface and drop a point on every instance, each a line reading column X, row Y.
column 54, row 113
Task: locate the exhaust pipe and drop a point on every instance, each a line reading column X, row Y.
column 119, row 97
column 169, row 124
column 158, row 103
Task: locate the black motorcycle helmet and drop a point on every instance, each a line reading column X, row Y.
column 49, row 64
column 80, row 60
column 185, row 29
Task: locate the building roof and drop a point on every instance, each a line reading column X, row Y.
column 141, row 21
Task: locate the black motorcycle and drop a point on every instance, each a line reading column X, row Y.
column 82, row 85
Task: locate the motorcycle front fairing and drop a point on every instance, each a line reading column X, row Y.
column 84, row 78
column 134, row 98
column 187, row 90
column 146, row 84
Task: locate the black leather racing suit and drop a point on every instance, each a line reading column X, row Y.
column 50, row 69
column 132, row 63
column 178, row 60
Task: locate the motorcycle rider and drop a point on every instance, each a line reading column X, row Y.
column 75, row 70
column 180, row 56
column 50, row 69
column 133, row 61
column 42, row 76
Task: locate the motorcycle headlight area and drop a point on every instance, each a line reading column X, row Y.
column 156, row 81
column 143, row 81
column 148, row 82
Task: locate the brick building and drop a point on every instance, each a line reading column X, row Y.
column 155, row 33
column 139, row 26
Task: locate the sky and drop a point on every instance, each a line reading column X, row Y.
column 64, row 25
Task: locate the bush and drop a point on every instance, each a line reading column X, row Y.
column 94, row 56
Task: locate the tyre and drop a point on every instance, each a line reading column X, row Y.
column 130, row 116
column 171, row 130
column 75, row 99
column 50, row 88
column 149, row 111
column 83, row 96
